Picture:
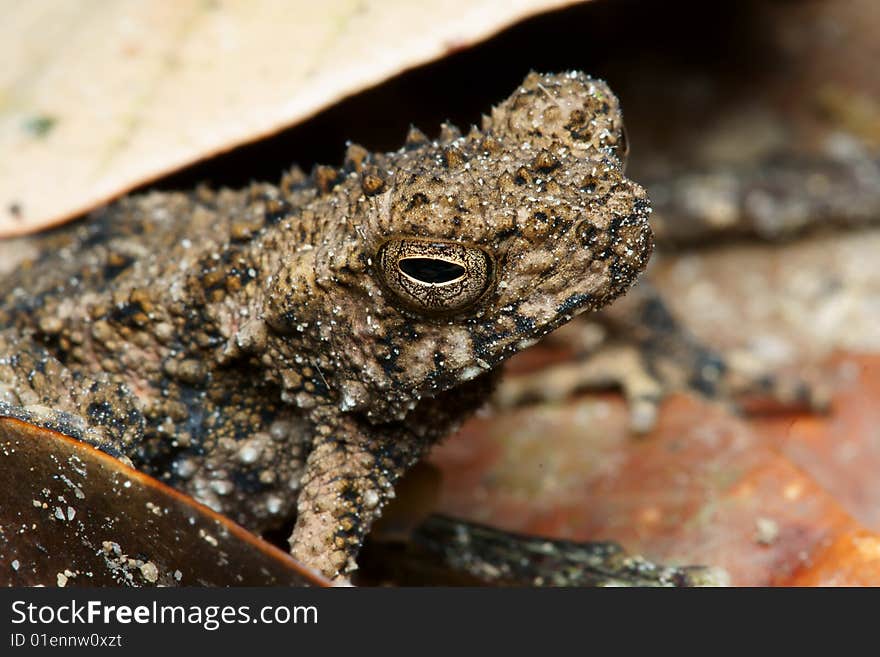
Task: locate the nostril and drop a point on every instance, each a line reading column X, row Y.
column 623, row 148
column 592, row 237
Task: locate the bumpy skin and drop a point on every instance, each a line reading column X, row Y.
column 251, row 348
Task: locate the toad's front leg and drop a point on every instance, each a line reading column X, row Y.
column 350, row 474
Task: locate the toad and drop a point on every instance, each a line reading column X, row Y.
column 291, row 350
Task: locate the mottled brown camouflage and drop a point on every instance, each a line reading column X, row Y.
column 269, row 351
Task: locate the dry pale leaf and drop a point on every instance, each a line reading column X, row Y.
column 97, row 97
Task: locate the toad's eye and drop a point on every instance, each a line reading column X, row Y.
column 434, row 277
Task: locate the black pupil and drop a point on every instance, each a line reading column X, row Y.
column 431, row 270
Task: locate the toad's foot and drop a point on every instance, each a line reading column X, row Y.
column 350, row 475
column 503, row 558
column 649, row 355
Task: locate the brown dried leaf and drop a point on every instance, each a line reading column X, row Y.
column 704, row 488
column 78, row 516
column 774, row 500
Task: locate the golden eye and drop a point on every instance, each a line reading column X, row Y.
column 434, row 277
